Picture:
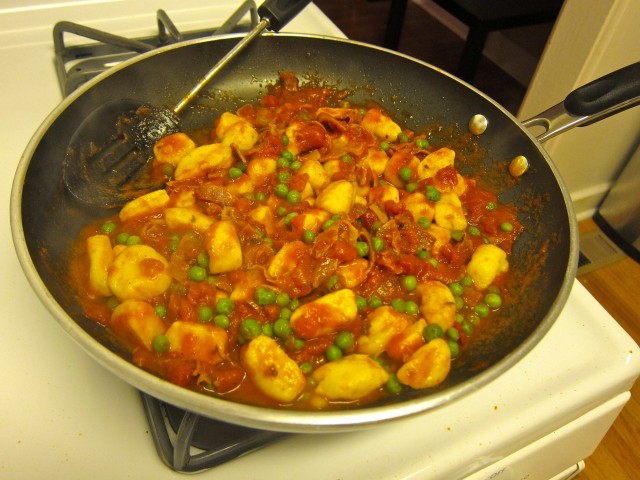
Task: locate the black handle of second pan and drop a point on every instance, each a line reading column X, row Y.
column 605, row 92
column 281, row 12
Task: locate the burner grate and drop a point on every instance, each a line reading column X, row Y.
column 76, row 64
column 187, row 442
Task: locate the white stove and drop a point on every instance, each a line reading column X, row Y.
column 64, row 416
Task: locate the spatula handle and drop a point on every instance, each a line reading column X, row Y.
column 280, row 12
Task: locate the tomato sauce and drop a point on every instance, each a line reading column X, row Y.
column 299, row 249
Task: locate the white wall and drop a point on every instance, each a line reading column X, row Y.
column 590, row 38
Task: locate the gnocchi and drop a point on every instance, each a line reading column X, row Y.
column 305, row 253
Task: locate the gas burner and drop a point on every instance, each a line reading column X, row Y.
column 77, row 64
column 187, row 442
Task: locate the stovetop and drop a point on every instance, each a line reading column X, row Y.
column 64, row 416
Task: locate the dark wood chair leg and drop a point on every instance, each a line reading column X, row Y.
column 397, row 10
column 472, row 53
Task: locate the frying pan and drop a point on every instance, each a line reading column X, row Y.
column 45, row 219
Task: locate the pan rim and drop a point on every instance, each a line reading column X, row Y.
column 284, row 420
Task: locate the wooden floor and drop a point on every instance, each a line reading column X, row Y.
column 614, row 286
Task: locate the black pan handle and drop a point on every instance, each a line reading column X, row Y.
column 590, row 103
column 281, row 12
column 605, row 92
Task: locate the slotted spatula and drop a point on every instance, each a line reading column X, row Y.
column 106, row 158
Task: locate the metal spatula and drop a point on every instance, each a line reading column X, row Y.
column 105, row 162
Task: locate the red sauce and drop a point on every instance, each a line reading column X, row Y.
column 408, row 247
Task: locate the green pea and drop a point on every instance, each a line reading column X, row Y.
column 433, row 194
column 466, row 281
column 411, row 187
column 393, row 385
column 384, row 145
column 363, row 248
column 267, row 329
column 287, row 154
column 459, row 303
column 308, row 236
column 225, row 306
column 306, row 367
column 113, row 302
column 282, row 299
column 422, row 143
column 160, row 310
column 284, row 177
column 506, row 227
column 160, row 343
column 295, row 165
column 402, row 138
column 333, row 353
column 376, row 225
column 474, row 319
column 285, row 140
column 457, row 235
column 423, row 254
column 286, row 312
column 405, row 174
column 454, row 347
column 482, row 310
column 281, row 328
column 289, row 217
column 375, row 302
column 122, row 238
column 431, row 331
column 295, row 303
column 433, row 262
column 294, row 197
column 491, row 206
column 235, row 173
column 167, row 170
column 361, row 302
column 205, row 313
column 493, row 300
column 133, row 240
column 453, row 334
column 344, row 340
column 399, row 305
column 203, row 259
column 108, row 227
column 409, row 282
column 456, row 288
column 424, row 222
column 377, row 243
column 332, row 282
column 250, row 328
column 222, row 321
column 281, row 190
column 283, row 163
column 467, row 328
column 265, row 296
column 459, row 318
column 411, row 308
column 346, row 158
column 197, row 273
column 473, row 230
column 328, row 224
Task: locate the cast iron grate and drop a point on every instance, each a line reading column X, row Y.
column 76, row 64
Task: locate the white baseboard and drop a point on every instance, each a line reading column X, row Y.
column 586, row 201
